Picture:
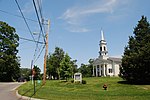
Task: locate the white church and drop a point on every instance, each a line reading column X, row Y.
column 105, row 65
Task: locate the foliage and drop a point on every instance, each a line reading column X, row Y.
column 9, row 62
column 74, row 67
column 25, row 73
column 65, row 67
column 136, row 59
column 54, row 62
column 37, row 72
column 83, row 81
column 84, row 70
column 87, row 70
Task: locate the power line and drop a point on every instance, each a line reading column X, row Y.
column 40, row 30
column 24, row 19
column 39, row 20
column 31, row 40
column 39, row 54
column 16, row 15
column 40, row 9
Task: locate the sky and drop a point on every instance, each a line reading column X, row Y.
column 75, row 26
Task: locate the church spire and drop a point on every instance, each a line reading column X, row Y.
column 103, row 53
column 102, row 35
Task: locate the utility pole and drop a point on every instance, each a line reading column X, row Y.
column 46, row 53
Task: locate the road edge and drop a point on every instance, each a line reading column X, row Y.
column 25, row 97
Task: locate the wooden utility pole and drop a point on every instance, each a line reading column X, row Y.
column 46, row 53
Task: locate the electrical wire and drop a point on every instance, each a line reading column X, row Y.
column 39, row 54
column 40, row 9
column 40, row 30
column 16, row 15
column 31, row 40
column 39, row 21
column 24, row 19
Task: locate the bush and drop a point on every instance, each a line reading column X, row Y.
column 83, row 81
column 78, row 82
column 72, row 81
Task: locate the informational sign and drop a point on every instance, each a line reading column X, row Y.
column 78, row 77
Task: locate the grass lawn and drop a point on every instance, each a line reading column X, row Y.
column 58, row 90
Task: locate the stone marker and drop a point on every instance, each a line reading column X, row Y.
column 78, row 77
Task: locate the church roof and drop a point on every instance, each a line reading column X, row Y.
column 109, row 60
column 114, row 59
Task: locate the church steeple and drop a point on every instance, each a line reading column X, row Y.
column 103, row 53
column 102, row 35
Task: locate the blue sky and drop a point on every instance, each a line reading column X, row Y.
column 75, row 26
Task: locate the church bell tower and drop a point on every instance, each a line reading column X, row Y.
column 103, row 53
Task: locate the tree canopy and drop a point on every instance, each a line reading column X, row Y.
column 37, row 72
column 136, row 59
column 60, row 65
column 9, row 62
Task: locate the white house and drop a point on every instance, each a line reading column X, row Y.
column 105, row 65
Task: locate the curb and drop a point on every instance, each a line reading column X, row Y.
column 25, row 97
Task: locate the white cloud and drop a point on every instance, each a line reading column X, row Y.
column 28, row 7
column 77, row 29
column 74, row 16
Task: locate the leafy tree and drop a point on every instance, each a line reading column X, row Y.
column 87, row 70
column 90, row 67
column 37, row 72
column 9, row 62
column 65, row 67
column 84, row 70
column 53, row 62
column 51, row 70
column 136, row 59
column 73, row 67
column 25, row 73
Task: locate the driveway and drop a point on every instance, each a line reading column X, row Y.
column 8, row 92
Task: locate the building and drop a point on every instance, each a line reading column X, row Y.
column 105, row 65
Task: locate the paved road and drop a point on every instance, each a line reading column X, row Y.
column 8, row 92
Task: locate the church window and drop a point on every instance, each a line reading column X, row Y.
column 98, row 67
column 110, row 70
column 104, row 48
column 100, row 48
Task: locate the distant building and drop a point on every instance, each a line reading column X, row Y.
column 105, row 65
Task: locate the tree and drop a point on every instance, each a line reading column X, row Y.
column 65, row 67
column 25, row 73
column 53, row 62
column 73, row 67
column 84, row 70
column 51, row 69
column 37, row 72
column 9, row 62
column 87, row 69
column 90, row 67
column 136, row 58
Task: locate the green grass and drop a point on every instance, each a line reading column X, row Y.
column 58, row 90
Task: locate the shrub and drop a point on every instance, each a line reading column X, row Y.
column 72, row 81
column 83, row 81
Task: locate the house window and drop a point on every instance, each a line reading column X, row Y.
column 110, row 70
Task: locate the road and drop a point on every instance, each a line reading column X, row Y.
column 8, row 92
